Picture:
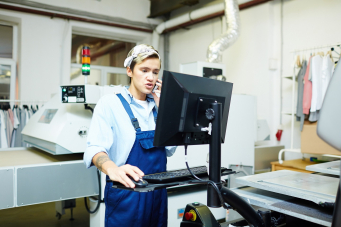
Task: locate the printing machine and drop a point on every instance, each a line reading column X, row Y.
column 51, row 168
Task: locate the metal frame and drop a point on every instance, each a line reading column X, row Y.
column 12, row 61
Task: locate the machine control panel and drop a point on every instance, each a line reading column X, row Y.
column 73, row 94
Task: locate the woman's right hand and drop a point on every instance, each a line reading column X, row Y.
column 119, row 174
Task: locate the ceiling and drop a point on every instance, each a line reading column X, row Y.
column 165, row 7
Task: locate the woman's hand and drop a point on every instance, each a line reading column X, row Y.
column 157, row 93
column 119, row 174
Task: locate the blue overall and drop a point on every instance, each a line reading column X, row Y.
column 146, row 209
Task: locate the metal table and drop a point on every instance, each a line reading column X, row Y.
column 311, row 187
column 332, row 168
column 288, row 205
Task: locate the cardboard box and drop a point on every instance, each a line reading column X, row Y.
column 312, row 144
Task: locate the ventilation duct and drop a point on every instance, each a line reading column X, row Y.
column 216, row 48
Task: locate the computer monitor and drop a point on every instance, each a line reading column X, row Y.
column 188, row 105
column 329, row 128
column 184, row 101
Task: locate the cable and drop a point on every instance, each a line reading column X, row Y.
column 87, row 107
column 99, row 196
column 213, row 184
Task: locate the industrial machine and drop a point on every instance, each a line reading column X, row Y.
column 61, row 125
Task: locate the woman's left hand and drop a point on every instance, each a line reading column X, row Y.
column 157, row 93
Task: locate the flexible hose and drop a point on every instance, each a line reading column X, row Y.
column 99, row 196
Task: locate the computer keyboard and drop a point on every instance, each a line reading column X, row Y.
column 177, row 175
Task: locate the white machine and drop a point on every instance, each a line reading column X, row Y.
column 61, row 125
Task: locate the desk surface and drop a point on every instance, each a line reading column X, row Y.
column 31, row 156
column 296, row 163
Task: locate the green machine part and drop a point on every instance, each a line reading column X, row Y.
column 197, row 214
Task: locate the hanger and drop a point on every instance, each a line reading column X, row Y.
column 298, row 61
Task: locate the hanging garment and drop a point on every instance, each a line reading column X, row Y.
column 15, row 127
column 307, row 90
column 27, row 115
column 23, row 123
column 11, row 116
column 9, row 127
column 327, row 72
column 4, row 143
column 300, row 80
column 316, row 79
column 127, row 208
column 30, row 113
column 19, row 129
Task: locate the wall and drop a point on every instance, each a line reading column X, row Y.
column 306, row 23
column 45, row 49
column 246, row 61
column 129, row 10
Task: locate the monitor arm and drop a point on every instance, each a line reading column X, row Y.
column 235, row 201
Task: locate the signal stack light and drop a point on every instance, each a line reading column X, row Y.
column 86, row 61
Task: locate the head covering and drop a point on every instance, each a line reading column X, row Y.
column 139, row 49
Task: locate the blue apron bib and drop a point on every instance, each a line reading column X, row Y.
column 146, row 209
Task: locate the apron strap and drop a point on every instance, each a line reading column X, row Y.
column 133, row 119
column 155, row 115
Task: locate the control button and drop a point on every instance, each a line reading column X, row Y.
column 191, row 215
column 65, row 98
column 195, row 204
column 188, row 215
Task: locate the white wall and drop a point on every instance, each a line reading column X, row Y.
column 246, row 61
column 45, row 50
column 133, row 10
column 306, row 23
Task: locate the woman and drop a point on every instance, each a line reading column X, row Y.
column 120, row 143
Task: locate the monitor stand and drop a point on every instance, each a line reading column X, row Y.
column 235, row 201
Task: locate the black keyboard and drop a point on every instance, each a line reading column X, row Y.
column 177, row 175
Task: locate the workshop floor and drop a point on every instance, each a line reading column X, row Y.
column 44, row 215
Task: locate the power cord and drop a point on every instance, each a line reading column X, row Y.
column 99, row 196
column 213, row 184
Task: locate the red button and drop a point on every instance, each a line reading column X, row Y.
column 188, row 216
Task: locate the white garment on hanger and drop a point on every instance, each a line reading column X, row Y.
column 4, row 143
column 327, row 72
column 316, row 68
column 16, row 120
column 27, row 117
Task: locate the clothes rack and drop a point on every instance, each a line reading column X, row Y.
column 293, row 112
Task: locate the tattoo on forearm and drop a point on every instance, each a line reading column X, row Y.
column 101, row 160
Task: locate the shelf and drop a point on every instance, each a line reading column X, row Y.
column 289, row 77
column 288, row 113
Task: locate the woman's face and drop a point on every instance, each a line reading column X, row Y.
column 145, row 75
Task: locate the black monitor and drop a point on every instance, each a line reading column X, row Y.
column 182, row 110
column 188, row 105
